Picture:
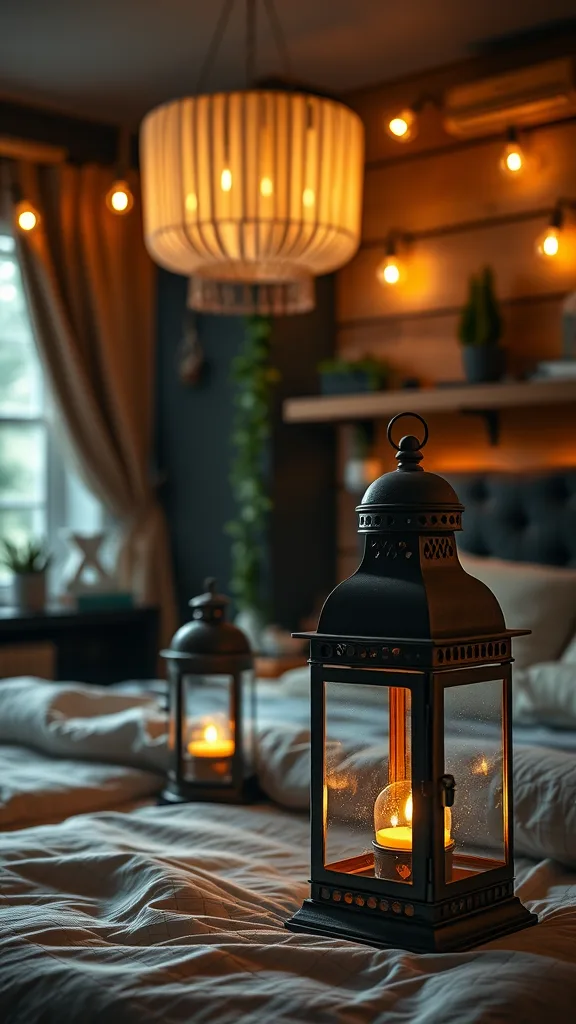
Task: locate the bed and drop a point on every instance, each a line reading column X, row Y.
column 175, row 914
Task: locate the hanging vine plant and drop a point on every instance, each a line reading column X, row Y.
column 253, row 380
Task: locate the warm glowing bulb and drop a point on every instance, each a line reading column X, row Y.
column 513, row 159
column 191, row 202
column 398, row 126
column 549, row 243
column 408, row 809
column 26, row 217
column 226, row 180
column 402, row 126
column 119, row 198
column 119, row 201
column 210, row 734
column 394, row 820
column 308, row 197
column 266, row 187
column 389, row 271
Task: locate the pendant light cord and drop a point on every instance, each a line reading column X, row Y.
column 250, row 42
column 221, row 26
column 214, row 44
column 279, row 37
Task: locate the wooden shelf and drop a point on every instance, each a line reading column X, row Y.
column 380, row 404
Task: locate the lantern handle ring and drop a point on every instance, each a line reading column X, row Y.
column 399, row 416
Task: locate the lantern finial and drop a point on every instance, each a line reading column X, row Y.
column 408, row 451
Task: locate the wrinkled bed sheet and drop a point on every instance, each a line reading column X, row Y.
column 176, row 915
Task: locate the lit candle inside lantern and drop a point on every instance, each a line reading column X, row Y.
column 399, row 837
column 211, row 744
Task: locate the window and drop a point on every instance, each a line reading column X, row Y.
column 39, row 492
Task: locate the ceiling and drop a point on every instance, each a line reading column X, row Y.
column 114, row 59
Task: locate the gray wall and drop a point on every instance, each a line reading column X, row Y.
column 193, row 450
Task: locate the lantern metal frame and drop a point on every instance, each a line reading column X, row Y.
column 432, row 914
column 209, row 646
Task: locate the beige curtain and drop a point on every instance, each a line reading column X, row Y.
column 90, row 286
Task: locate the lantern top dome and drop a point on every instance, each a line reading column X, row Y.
column 208, row 633
column 410, row 583
column 409, row 485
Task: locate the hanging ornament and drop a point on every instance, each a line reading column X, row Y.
column 259, row 187
column 191, row 356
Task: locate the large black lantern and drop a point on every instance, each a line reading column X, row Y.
column 412, row 839
column 211, row 707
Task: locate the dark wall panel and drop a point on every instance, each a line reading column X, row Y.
column 194, row 426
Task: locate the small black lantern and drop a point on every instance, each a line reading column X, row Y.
column 211, row 707
column 417, row 852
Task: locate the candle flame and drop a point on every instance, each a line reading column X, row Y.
column 394, row 818
column 210, row 734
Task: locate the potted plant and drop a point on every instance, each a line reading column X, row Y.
column 349, row 377
column 28, row 563
column 480, row 330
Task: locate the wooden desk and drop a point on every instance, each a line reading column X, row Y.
column 100, row 647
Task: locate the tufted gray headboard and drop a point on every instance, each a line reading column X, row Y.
column 523, row 518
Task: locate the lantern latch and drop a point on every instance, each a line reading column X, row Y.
column 448, row 790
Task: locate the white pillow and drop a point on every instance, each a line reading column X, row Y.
column 545, row 695
column 537, row 597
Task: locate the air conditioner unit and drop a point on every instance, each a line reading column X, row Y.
column 532, row 95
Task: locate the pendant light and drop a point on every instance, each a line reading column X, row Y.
column 254, row 192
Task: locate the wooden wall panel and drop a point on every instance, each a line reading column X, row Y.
column 377, row 104
column 468, row 184
column 438, row 270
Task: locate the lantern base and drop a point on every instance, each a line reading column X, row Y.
column 187, row 792
column 416, row 936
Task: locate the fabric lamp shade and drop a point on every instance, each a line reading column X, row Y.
column 256, row 186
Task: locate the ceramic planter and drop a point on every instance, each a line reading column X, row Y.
column 29, row 591
column 483, row 364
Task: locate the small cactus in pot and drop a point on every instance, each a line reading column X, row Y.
column 28, row 563
column 480, row 331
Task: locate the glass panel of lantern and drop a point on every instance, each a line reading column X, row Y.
column 208, row 724
column 478, row 762
column 368, row 805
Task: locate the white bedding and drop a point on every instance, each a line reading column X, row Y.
column 176, row 915
column 67, row 749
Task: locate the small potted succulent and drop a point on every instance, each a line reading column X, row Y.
column 28, row 563
column 480, row 330
column 350, row 377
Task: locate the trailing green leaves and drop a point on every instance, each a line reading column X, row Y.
column 253, row 379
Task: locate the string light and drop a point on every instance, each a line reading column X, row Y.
column 119, row 198
column 513, row 159
column 403, row 126
column 548, row 242
column 26, row 216
column 389, row 271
